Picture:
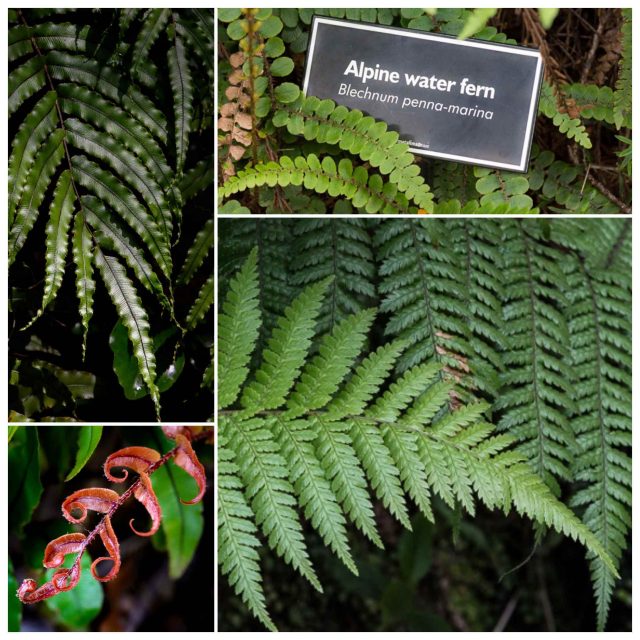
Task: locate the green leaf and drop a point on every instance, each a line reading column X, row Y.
column 282, row 67
column 182, row 87
column 547, row 16
column 134, row 317
column 57, row 241
column 12, row 431
column 85, row 283
column 78, row 607
column 202, row 304
column 238, row 329
column 15, row 606
column 125, row 364
column 197, row 252
column 88, row 440
column 25, row 487
column 287, row 92
column 182, row 523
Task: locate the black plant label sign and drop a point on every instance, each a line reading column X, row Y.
column 459, row 100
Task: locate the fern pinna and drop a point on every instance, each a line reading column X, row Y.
column 102, row 149
column 313, row 434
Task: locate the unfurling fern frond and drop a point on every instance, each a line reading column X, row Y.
column 98, row 130
column 314, row 434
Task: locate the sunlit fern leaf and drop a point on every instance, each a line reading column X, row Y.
column 85, row 283
column 322, row 459
column 198, row 251
column 182, row 86
column 133, row 316
column 57, row 239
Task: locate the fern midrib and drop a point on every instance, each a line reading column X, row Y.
column 534, row 350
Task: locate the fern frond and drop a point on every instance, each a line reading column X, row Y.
column 202, row 303
column 85, row 283
column 366, row 191
column 237, row 540
column 536, row 392
column 238, row 327
column 153, row 22
column 113, row 193
column 285, row 352
column 320, row 445
column 341, row 249
column 133, row 316
column 264, row 475
column 182, row 86
column 57, row 243
column 422, row 289
column 198, row 251
column 600, row 331
column 49, row 156
column 36, row 127
column 126, row 165
column 112, row 237
column 352, row 131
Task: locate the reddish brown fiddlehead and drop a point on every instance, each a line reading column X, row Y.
column 143, row 461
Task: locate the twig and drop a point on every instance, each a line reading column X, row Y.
column 505, row 616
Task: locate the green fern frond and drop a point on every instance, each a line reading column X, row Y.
column 364, row 190
column 85, row 283
column 198, row 251
column 153, row 22
column 239, row 323
column 202, row 304
column 536, row 392
column 422, row 290
column 600, row 331
column 307, row 437
column 352, row 131
column 237, row 540
column 341, row 249
column 57, row 242
column 571, row 127
column 133, row 316
column 182, row 86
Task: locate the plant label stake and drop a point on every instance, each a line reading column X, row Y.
column 462, row 100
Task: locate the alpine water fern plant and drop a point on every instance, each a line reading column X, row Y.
column 284, row 152
column 107, row 151
column 320, row 421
